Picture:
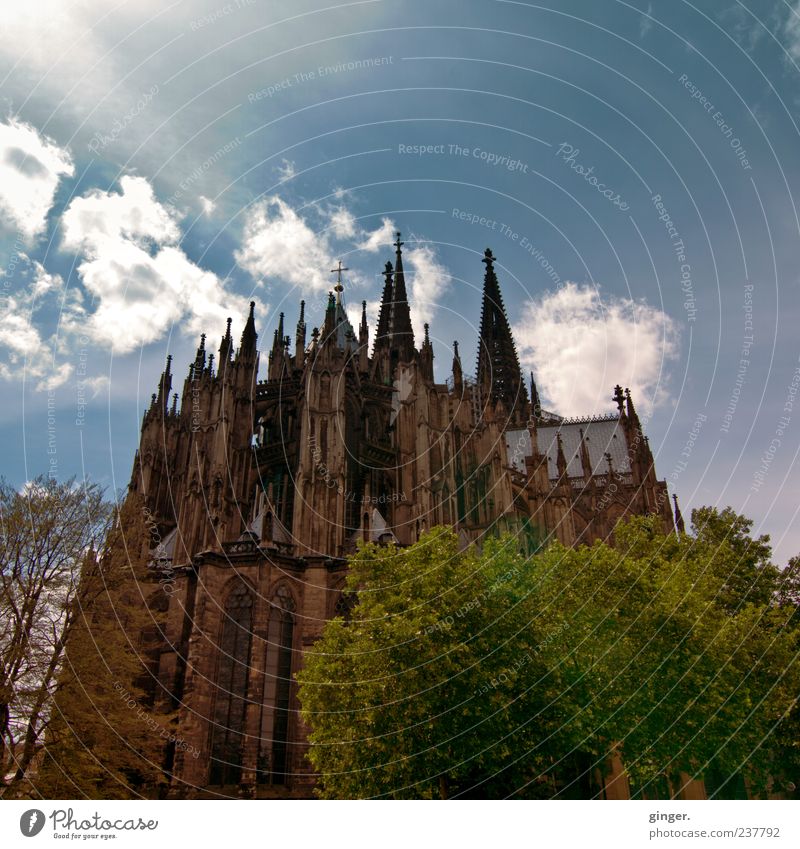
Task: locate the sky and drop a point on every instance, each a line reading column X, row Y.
column 632, row 165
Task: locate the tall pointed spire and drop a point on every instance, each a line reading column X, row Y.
column 225, row 347
column 680, row 525
column 385, row 311
column 536, row 404
column 363, row 340
column 458, row 372
column 561, row 460
column 247, row 347
column 426, row 355
column 200, row 356
column 586, row 462
column 300, row 337
column 498, row 374
column 619, row 397
column 401, row 329
column 165, row 385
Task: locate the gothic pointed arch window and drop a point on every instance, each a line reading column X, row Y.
column 230, row 695
column 274, row 761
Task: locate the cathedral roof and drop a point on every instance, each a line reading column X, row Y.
column 602, row 435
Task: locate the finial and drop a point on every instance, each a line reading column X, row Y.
column 202, row 341
column 427, row 338
column 387, row 270
column 398, row 244
column 169, row 362
column 228, row 326
column 455, row 350
column 488, row 257
column 338, row 288
column 252, row 309
column 619, row 397
column 607, row 455
column 175, row 403
column 331, row 301
column 302, row 311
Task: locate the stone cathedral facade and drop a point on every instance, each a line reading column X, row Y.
column 258, row 487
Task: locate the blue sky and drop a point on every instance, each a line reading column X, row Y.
column 632, row 166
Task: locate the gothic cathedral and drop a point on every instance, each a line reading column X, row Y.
column 256, row 491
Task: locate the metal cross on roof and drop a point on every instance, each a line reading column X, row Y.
column 338, row 288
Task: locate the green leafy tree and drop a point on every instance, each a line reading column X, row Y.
column 488, row 673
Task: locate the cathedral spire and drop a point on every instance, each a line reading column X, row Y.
column 225, row 347
column 498, row 373
column 401, row 330
column 458, row 372
column 680, row 526
column 586, row 462
column 300, row 337
column 426, row 355
column 561, row 460
column 619, row 397
column 385, row 312
column 247, row 347
column 165, row 385
column 363, row 340
column 536, row 404
column 200, row 356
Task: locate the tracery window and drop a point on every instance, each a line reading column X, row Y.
column 230, row 699
column 274, row 762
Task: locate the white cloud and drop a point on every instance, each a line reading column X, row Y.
column 342, row 223
column 141, row 280
column 378, row 239
column 279, row 243
column 580, row 346
column 28, row 354
column 31, row 167
column 429, row 281
column 286, row 170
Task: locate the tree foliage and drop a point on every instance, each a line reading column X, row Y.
column 104, row 741
column 492, row 674
column 69, row 624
